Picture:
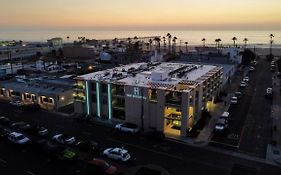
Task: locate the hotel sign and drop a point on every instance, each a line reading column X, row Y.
column 136, row 94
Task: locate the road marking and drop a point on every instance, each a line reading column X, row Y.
column 3, row 161
column 147, row 149
column 31, row 173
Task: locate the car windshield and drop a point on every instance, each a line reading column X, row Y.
column 20, row 137
column 105, row 166
column 125, row 155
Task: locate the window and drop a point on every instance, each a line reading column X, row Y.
column 104, row 88
column 93, row 87
column 104, row 100
column 94, row 98
column 51, row 100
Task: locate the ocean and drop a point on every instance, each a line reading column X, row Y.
column 193, row 37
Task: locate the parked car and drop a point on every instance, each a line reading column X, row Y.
column 18, row 138
column 238, row 94
column 221, row 125
column 225, row 115
column 4, row 120
column 127, row 127
column 87, row 146
column 39, row 130
column 20, row 126
column 4, row 133
column 17, row 103
column 252, row 69
column 243, row 84
column 234, row 100
column 269, row 92
column 246, row 79
column 117, row 154
column 100, row 166
column 58, row 152
column 64, row 139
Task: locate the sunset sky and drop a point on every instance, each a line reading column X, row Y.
column 141, row 14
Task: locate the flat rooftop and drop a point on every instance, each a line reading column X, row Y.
column 145, row 74
column 41, row 85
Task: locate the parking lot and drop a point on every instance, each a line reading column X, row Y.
column 175, row 157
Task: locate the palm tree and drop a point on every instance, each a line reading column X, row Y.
column 129, row 41
column 218, row 42
column 157, row 43
column 204, row 41
column 186, row 43
column 174, row 44
column 271, row 36
column 169, row 41
column 164, row 41
column 234, row 39
column 150, row 44
column 245, row 42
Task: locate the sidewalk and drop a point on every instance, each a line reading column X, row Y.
column 273, row 153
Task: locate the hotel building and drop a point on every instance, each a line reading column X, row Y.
column 168, row 97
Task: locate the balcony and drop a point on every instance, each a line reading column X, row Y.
column 80, row 98
column 173, row 101
column 79, row 87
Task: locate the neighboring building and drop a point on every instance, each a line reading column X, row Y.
column 234, row 54
column 10, row 69
column 55, row 42
column 168, row 97
column 48, row 66
column 49, row 93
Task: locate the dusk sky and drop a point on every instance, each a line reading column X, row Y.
column 141, row 14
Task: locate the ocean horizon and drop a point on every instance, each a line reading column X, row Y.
column 193, row 37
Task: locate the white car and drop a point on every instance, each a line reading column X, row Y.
column 16, row 103
column 221, row 125
column 246, row 79
column 234, row 100
column 64, row 139
column 18, row 138
column 117, row 154
column 243, row 84
column 269, row 91
column 127, row 127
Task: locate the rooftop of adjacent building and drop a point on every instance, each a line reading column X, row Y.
column 47, row 85
column 164, row 74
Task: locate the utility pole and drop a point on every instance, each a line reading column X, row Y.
column 142, row 122
column 10, row 58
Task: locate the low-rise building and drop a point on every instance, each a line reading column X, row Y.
column 168, row 97
column 50, row 93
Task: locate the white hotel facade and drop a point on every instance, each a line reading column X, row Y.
column 168, row 97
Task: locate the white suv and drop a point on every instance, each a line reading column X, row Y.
column 18, row 138
column 117, row 154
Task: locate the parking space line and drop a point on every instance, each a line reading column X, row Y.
column 3, row 161
column 30, row 173
column 147, row 149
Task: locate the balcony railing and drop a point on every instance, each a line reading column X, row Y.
column 80, row 98
column 78, row 87
column 173, row 101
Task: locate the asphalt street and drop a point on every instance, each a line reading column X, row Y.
column 177, row 158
